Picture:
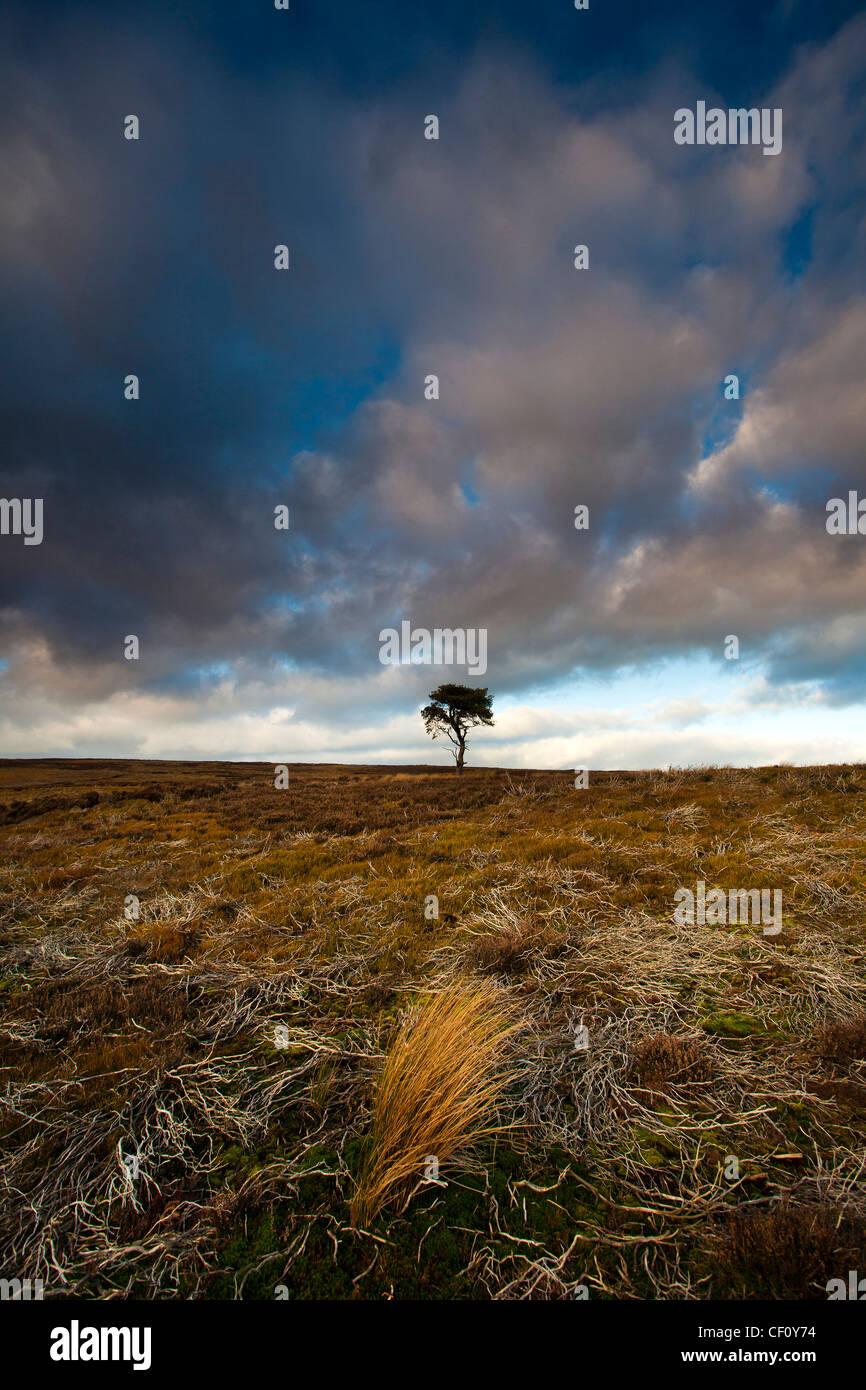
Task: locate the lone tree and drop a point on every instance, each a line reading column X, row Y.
column 454, row 710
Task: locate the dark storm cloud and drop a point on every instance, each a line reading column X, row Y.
column 156, row 258
column 306, row 388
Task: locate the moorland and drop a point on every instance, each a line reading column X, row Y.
column 235, row 1020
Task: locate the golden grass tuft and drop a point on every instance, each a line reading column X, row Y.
column 437, row 1092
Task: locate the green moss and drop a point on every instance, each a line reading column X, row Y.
column 242, row 1252
column 728, row 1024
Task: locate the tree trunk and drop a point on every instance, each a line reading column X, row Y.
column 461, row 753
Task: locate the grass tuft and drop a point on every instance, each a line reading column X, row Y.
column 664, row 1059
column 845, row 1042
column 437, row 1092
column 786, row 1252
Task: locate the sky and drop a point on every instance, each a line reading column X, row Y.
column 307, row 387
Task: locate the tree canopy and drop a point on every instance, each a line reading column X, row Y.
column 453, row 711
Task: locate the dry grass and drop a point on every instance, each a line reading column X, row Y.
column 664, row 1059
column 786, row 1252
column 438, row 1091
column 303, row 910
column 843, row 1043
